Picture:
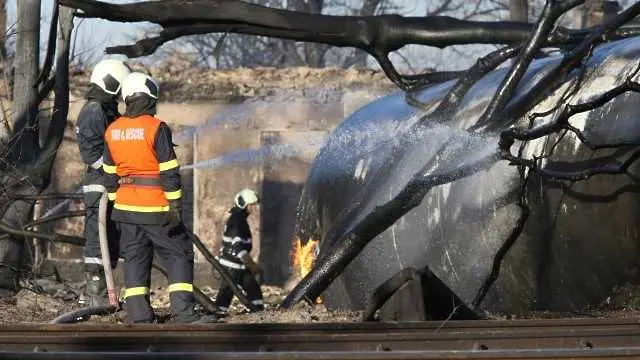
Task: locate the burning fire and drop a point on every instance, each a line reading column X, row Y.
column 304, row 257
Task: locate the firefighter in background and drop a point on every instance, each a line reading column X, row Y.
column 235, row 253
column 142, row 177
column 97, row 113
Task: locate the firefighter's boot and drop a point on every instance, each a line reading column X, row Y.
column 95, row 293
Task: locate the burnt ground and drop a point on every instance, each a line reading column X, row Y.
column 43, row 305
column 46, row 300
column 623, row 302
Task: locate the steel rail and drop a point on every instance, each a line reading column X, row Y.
column 539, row 354
column 578, row 334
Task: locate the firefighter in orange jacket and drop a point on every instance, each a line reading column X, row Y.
column 142, row 178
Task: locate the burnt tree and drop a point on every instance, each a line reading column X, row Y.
column 380, row 35
column 28, row 157
column 24, row 117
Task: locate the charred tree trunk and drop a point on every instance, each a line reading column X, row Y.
column 28, row 171
column 25, row 91
column 5, row 72
column 3, row 34
column 24, row 141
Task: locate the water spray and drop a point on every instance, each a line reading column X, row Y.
column 246, row 156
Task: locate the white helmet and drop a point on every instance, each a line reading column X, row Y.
column 246, row 197
column 109, row 75
column 138, row 82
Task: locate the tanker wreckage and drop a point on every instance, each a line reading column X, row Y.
column 492, row 189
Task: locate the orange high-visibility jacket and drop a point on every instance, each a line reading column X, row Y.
column 141, row 169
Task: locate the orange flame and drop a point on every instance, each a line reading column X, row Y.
column 304, row 257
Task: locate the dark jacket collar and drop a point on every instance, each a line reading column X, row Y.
column 236, row 209
column 140, row 105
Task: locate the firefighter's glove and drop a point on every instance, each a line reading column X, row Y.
column 173, row 217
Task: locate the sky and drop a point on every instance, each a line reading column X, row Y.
column 94, row 34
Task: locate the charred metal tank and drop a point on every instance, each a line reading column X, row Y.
column 581, row 238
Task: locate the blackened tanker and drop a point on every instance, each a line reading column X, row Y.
column 580, row 240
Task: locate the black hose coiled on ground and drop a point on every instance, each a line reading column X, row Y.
column 82, row 314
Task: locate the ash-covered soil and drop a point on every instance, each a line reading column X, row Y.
column 50, row 300
column 47, row 299
column 623, row 302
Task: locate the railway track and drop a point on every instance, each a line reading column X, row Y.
column 514, row 339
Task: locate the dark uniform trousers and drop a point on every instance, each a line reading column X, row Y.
column 137, row 243
column 246, row 281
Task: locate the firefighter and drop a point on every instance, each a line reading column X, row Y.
column 97, row 113
column 143, row 179
column 235, row 253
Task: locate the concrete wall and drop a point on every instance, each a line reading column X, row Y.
column 232, row 142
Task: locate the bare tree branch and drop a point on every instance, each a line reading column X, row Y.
column 482, row 67
column 570, row 60
column 51, row 218
column 561, row 122
column 55, row 134
column 51, row 47
column 28, row 197
column 377, row 35
column 53, row 237
column 552, row 11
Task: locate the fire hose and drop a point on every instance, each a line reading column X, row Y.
column 83, row 314
column 239, row 293
column 114, row 304
column 104, row 250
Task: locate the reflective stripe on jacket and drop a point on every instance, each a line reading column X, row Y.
column 142, row 172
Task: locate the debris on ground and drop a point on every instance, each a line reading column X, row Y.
column 29, row 306
column 46, row 300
